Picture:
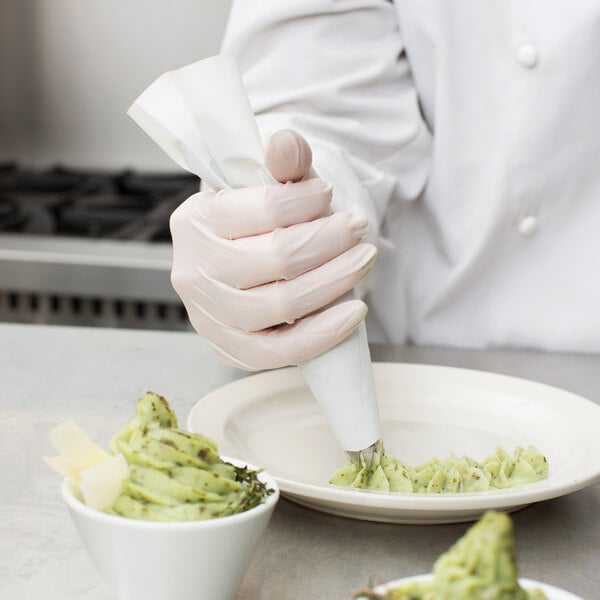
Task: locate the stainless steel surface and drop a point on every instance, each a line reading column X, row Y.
column 48, row 374
column 91, row 282
column 89, row 247
column 100, row 268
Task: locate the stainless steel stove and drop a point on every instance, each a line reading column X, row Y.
column 89, row 248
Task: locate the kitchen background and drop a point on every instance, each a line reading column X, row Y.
column 84, row 194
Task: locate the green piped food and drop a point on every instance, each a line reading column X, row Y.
column 481, row 565
column 452, row 475
column 176, row 475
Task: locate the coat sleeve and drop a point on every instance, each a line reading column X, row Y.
column 336, row 72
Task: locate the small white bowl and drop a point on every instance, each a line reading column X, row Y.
column 552, row 592
column 146, row 560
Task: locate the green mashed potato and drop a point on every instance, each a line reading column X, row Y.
column 176, row 475
column 451, row 475
column 481, row 565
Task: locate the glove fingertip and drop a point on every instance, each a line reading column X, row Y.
column 288, row 156
column 320, row 332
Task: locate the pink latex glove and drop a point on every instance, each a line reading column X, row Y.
column 257, row 267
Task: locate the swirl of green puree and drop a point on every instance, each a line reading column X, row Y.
column 482, row 565
column 175, row 475
column 454, row 474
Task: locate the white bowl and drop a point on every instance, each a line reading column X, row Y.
column 145, row 560
column 552, row 592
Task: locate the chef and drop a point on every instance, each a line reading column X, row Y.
column 457, row 139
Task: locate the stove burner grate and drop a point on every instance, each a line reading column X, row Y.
column 123, row 205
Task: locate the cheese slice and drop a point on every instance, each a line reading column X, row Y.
column 63, row 466
column 98, row 475
column 102, row 484
column 76, row 446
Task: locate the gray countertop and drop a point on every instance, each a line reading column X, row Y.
column 49, row 374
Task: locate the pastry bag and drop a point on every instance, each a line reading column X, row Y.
column 201, row 117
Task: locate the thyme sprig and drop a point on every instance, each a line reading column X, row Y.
column 255, row 491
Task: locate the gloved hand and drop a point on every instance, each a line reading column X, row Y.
column 257, row 267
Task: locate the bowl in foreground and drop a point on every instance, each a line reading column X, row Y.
column 145, row 560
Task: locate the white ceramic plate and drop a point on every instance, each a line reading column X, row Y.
column 552, row 592
column 272, row 420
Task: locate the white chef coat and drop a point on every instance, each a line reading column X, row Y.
column 468, row 132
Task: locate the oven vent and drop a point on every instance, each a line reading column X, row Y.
column 54, row 309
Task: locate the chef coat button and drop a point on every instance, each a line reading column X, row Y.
column 528, row 55
column 528, row 225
